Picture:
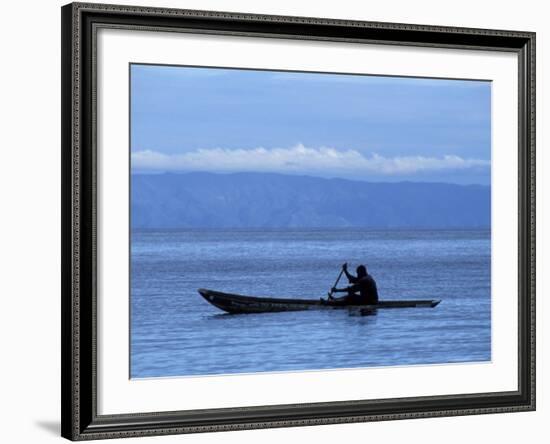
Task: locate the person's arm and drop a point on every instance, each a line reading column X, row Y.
column 351, row 289
column 338, row 290
column 351, row 278
column 343, row 299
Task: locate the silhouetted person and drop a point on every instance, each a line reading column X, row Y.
column 362, row 290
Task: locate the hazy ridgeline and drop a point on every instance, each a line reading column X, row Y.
column 256, row 200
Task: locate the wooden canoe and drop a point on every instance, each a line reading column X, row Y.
column 236, row 303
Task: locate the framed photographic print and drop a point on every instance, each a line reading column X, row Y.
column 278, row 221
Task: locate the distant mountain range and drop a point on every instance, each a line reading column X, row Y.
column 256, row 200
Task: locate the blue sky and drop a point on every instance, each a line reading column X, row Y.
column 330, row 125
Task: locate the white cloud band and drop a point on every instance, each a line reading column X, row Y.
column 299, row 159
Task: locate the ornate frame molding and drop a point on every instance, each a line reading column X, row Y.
column 80, row 420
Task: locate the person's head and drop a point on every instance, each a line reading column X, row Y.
column 361, row 271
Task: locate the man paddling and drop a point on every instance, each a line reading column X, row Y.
column 362, row 291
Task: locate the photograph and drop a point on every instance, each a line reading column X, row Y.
column 294, row 221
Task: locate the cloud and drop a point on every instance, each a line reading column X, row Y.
column 300, row 159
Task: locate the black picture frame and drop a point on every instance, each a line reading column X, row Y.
column 80, row 420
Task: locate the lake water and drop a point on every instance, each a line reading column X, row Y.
column 175, row 332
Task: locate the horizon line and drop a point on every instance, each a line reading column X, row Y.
column 272, row 173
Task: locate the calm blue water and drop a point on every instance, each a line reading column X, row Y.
column 175, row 332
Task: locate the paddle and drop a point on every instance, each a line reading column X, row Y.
column 336, row 283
